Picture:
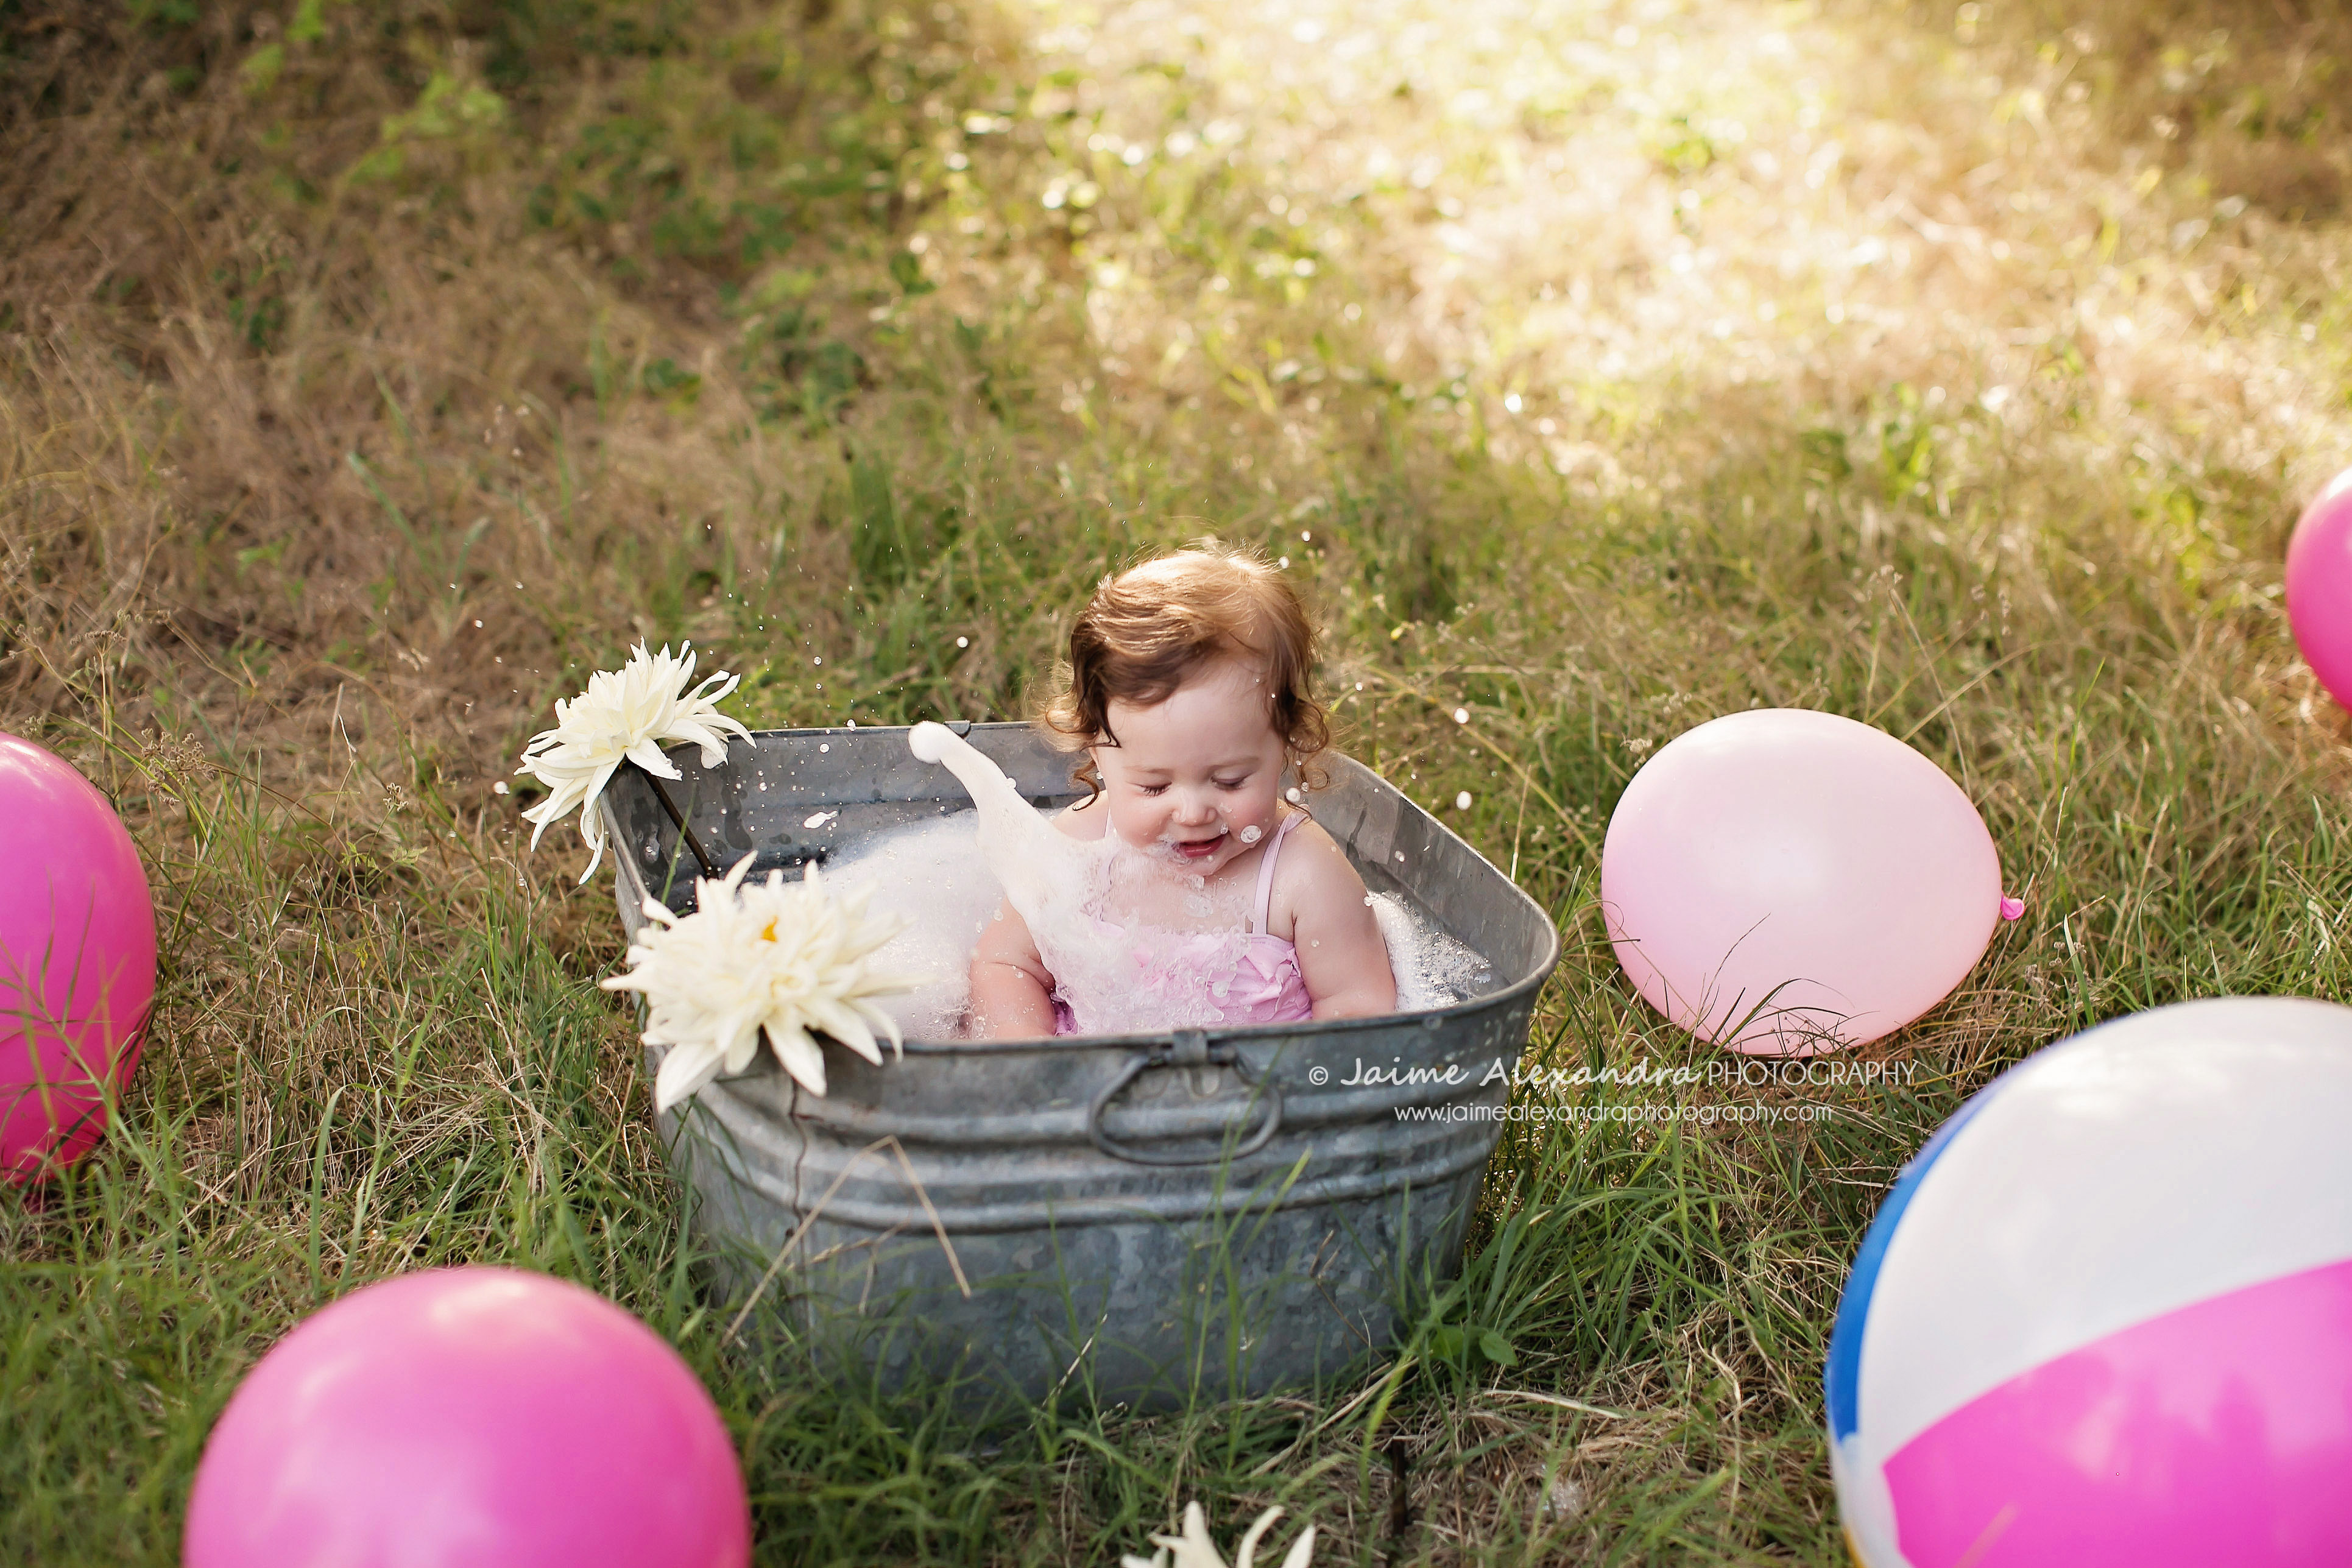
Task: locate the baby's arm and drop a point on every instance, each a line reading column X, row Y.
column 1340, row 954
column 1011, row 993
column 1012, row 990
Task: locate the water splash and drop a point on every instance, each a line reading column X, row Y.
column 1433, row 969
column 1043, row 871
column 1134, row 947
column 930, row 874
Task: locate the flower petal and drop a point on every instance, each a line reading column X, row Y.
column 844, row 1024
column 592, row 832
column 683, row 1070
column 1250, row 1537
column 800, row 1057
column 882, row 1021
column 648, row 755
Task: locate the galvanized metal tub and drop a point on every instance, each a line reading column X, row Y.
column 1146, row 1217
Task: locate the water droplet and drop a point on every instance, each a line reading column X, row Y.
column 824, row 748
column 964, row 642
column 1462, row 801
column 1462, row 715
column 1250, row 835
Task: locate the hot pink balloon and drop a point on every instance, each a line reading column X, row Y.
column 1784, row 882
column 76, row 960
column 2319, row 587
column 469, row 1418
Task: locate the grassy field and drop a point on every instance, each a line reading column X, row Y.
column 372, row 369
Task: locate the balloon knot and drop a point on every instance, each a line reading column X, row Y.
column 2012, row 908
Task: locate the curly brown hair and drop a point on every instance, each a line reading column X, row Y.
column 1148, row 628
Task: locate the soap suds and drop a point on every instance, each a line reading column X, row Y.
column 932, row 874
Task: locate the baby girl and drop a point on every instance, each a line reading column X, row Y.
column 1211, row 900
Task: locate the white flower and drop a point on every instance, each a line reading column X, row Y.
column 1193, row 1549
column 625, row 717
column 785, row 958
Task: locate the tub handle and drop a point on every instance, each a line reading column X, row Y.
column 1188, row 1047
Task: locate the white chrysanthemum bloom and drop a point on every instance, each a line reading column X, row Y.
column 785, row 959
column 625, row 716
column 1193, row 1549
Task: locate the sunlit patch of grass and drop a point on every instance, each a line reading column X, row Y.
column 367, row 374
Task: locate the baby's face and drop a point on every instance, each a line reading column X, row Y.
column 1193, row 776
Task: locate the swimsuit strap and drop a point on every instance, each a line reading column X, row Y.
column 1265, row 873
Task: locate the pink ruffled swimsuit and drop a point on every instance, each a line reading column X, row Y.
column 1167, row 979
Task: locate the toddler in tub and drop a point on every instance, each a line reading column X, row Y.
column 1210, row 898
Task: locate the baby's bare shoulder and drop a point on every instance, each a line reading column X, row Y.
column 1313, row 874
column 1086, row 820
column 1315, row 847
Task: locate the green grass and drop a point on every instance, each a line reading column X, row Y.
column 327, row 335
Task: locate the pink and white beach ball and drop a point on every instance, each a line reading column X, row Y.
column 2106, row 1315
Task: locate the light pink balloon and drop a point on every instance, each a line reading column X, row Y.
column 1783, row 882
